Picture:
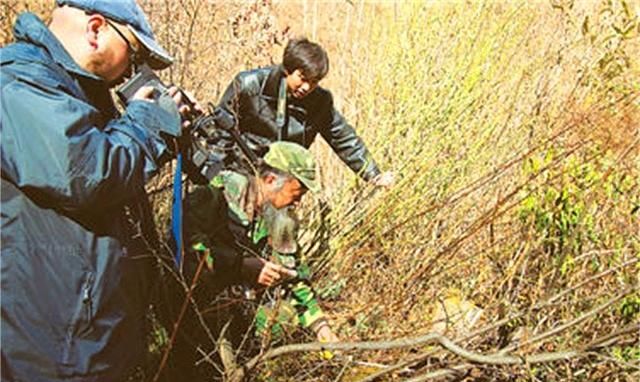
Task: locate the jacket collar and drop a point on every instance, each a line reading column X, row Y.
column 241, row 194
column 29, row 28
column 271, row 85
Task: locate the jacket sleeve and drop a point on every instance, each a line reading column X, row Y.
column 230, row 100
column 347, row 144
column 205, row 228
column 56, row 146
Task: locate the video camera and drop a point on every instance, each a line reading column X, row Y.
column 200, row 164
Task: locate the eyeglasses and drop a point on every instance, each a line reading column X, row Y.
column 136, row 56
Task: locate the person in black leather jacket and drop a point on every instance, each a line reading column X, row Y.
column 284, row 102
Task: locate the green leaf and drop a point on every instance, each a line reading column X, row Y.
column 567, row 265
column 548, row 157
column 529, row 203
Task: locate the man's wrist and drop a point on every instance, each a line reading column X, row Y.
column 250, row 269
column 371, row 173
column 317, row 325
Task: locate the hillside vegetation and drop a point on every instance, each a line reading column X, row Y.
column 513, row 129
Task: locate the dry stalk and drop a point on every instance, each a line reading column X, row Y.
column 176, row 326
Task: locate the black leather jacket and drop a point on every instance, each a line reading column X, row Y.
column 253, row 96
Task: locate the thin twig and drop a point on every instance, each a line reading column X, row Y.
column 176, row 326
column 615, row 360
column 569, row 324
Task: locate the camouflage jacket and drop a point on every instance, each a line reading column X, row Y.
column 220, row 222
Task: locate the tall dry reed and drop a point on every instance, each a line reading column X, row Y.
column 513, row 130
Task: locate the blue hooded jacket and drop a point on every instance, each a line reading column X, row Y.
column 76, row 228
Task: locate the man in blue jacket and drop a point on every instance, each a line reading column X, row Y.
column 76, row 233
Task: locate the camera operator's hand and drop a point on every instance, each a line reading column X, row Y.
column 145, row 93
column 166, row 101
column 187, row 106
column 169, row 132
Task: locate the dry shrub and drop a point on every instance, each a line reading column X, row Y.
column 513, row 128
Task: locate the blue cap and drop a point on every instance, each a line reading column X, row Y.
column 129, row 13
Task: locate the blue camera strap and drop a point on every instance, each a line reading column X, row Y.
column 176, row 213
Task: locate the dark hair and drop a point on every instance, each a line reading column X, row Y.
column 307, row 56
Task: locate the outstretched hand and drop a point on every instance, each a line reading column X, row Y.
column 145, row 93
column 386, row 179
column 184, row 101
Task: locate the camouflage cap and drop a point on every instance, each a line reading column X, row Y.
column 295, row 160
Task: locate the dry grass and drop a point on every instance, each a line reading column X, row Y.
column 513, row 128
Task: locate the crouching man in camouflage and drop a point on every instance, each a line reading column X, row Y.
column 228, row 222
column 292, row 303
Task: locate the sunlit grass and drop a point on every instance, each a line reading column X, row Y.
column 513, row 129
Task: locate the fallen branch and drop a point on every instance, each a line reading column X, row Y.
column 491, row 359
column 549, row 301
column 586, row 351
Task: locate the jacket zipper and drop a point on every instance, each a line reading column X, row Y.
column 86, row 298
column 83, row 315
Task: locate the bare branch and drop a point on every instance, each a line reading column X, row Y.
column 499, row 323
column 571, row 323
column 176, row 326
